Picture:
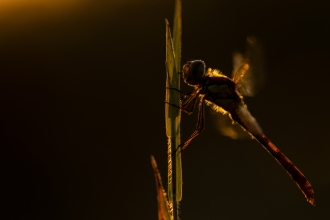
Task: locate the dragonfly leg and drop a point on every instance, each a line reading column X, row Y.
column 199, row 127
column 185, row 95
column 184, row 106
column 193, row 106
column 192, row 98
column 180, row 107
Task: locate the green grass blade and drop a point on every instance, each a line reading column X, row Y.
column 172, row 119
column 164, row 207
column 172, row 114
column 177, row 32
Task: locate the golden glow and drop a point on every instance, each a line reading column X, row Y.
column 239, row 73
column 17, row 14
column 215, row 72
column 20, row 12
column 216, row 108
column 37, row 2
column 7, row 7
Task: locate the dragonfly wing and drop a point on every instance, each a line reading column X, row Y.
column 248, row 75
column 227, row 127
column 248, row 69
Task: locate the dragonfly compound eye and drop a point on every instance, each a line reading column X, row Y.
column 193, row 72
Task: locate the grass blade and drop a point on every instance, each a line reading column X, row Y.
column 173, row 114
column 177, row 32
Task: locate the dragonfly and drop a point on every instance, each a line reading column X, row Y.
column 225, row 96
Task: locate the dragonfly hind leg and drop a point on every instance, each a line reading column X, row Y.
column 199, row 126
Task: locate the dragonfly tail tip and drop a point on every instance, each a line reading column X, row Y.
column 311, row 201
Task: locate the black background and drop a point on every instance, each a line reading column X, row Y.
column 82, row 109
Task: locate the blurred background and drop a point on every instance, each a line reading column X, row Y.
column 82, row 109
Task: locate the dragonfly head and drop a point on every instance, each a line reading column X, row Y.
column 193, row 72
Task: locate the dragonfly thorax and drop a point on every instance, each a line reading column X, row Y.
column 194, row 72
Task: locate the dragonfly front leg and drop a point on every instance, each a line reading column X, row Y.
column 192, row 98
column 185, row 95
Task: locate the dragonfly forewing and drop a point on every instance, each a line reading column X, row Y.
column 248, row 69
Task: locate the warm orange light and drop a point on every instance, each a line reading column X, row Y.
column 38, row 2
column 21, row 12
column 9, row 7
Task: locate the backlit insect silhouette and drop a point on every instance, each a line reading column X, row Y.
column 224, row 95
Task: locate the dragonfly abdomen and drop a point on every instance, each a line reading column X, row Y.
column 248, row 122
column 292, row 170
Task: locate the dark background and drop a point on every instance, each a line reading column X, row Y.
column 82, row 109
